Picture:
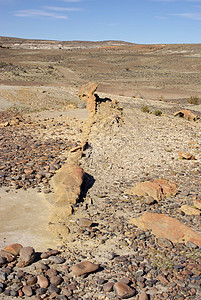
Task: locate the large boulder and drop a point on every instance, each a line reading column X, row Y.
column 84, row 267
column 13, row 249
column 167, row 227
column 157, row 188
column 123, row 291
column 27, row 257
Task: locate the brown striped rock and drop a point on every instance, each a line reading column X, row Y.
column 167, row 227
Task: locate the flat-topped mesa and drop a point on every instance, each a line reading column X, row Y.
column 86, row 93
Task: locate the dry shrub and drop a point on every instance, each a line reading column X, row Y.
column 158, row 113
column 194, row 100
column 145, row 109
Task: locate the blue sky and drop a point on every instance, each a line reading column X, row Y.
column 137, row 21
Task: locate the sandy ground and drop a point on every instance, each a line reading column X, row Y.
column 24, row 218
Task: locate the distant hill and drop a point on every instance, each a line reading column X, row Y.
column 18, row 43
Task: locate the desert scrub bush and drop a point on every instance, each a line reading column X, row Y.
column 194, row 100
column 158, row 113
column 145, row 109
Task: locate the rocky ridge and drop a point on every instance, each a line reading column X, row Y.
column 122, row 260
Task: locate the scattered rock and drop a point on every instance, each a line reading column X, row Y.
column 13, row 249
column 162, row 279
column 27, row 290
column 3, row 261
column 49, row 253
column 149, row 200
column 84, row 267
column 187, row 156
column 110, row 255
column 51, row 272
column 84, row 222
column 108, row 287
column 8, row 256
column 165, row 243
column 197, row 204
column 27, row 257
column 55, row 280
column 32, row 280
column 123, row 291
column 190, row 211
column 142, row 296
column 42, row 281
column 57, row 259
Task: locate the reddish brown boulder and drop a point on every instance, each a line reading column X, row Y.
column 42, row 281
column 27, row 290
column 13, row 249
column 27, row 257
column 166, row 227
column 186, row 114
column 157, row 188
column 142, row 296
column 86, row 93
column 123, row 290
column 84, row 267
column 187, row 156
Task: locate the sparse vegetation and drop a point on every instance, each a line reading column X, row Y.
column 194, row 100
column 158, row 113
column 145, row 109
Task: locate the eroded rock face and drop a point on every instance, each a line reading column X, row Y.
column 67, row 183
column 86, row 93
column 186, row 114
column 166, row 227
column 67, row 187
column 158, row 189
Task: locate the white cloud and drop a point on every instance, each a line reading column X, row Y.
column 192, row 16
column 34, row 13
column 55, row 12
column 56, row 8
